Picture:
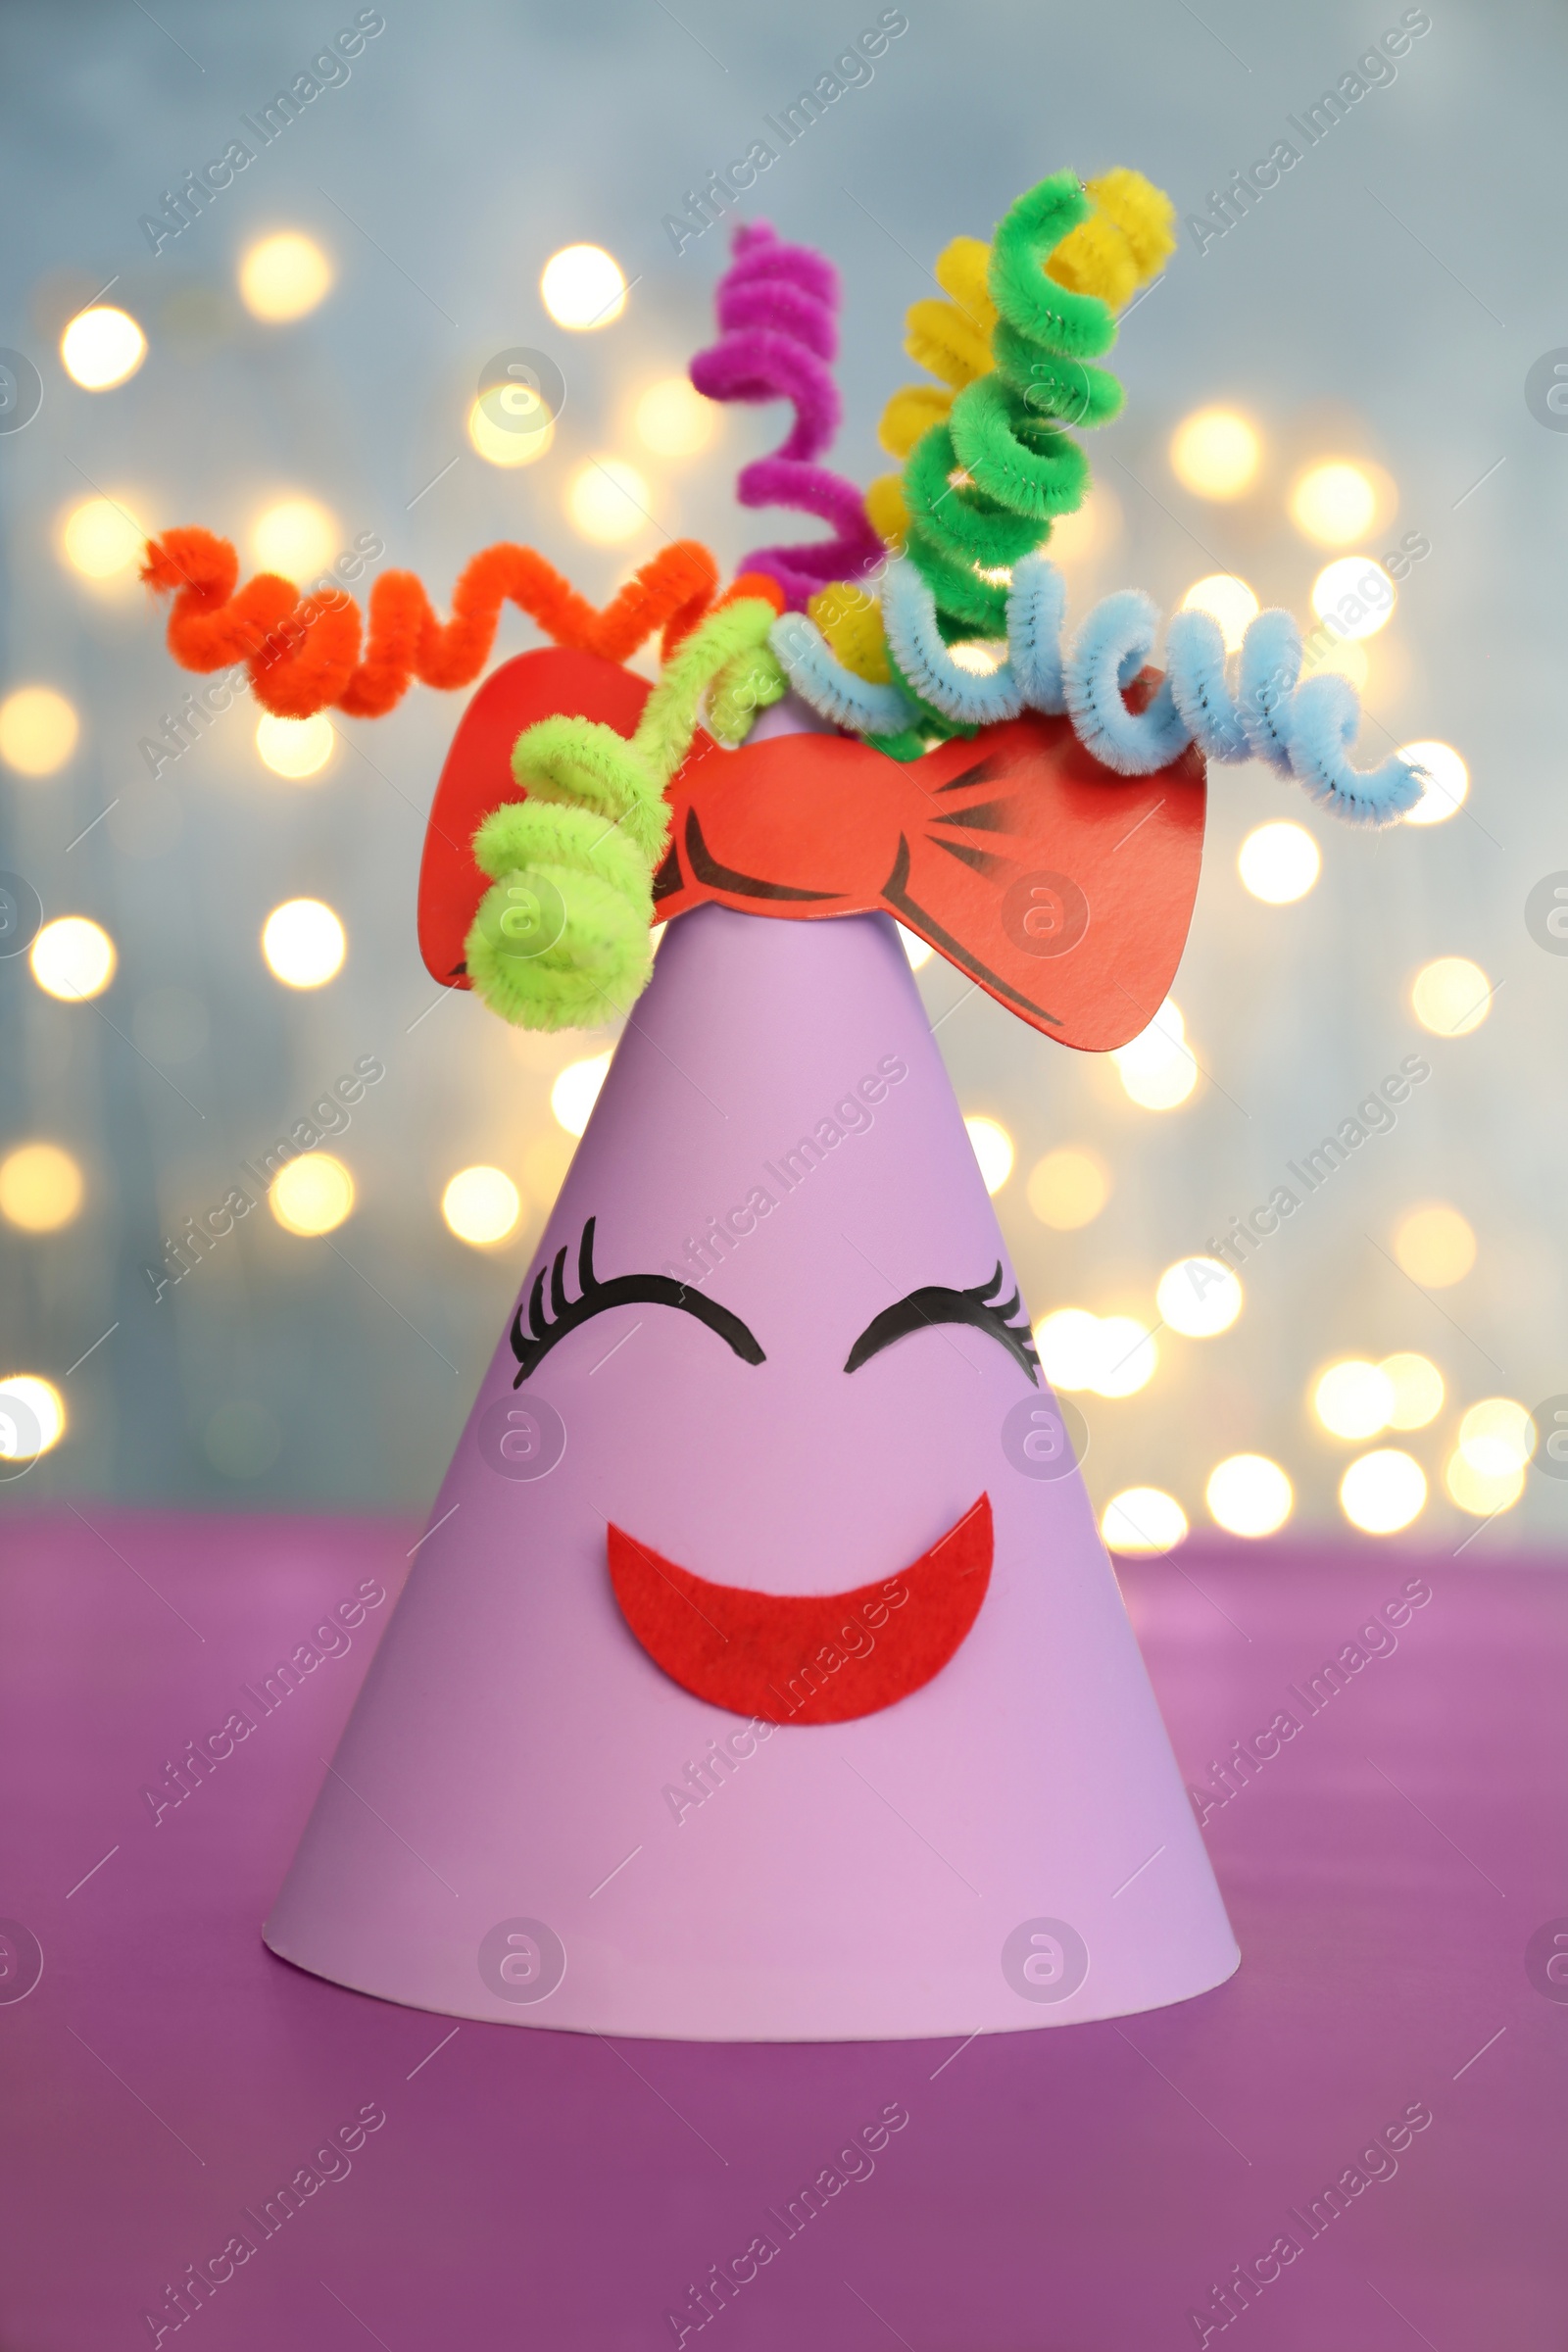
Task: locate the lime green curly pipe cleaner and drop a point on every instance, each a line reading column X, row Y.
column 561, row 940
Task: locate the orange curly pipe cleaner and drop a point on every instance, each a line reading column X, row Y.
column 304, row 653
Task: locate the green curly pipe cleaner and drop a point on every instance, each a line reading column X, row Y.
column 1004, row 431
column 561, row 940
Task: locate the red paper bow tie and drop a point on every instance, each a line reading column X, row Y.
column 1063, row 889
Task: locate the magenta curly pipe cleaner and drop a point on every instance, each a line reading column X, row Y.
column 777, row 310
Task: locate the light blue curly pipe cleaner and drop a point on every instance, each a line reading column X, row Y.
column 1298, row 729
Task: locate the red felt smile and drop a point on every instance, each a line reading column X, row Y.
column 815, row 1657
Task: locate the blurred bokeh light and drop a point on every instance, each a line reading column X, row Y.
column 1383, row 1491
column 1353, row 1398
column 1247, row 1494
column 1143, row 1519
column 1068, row 1188
column 102, row 347
column 1092, row 529
column 582, row 287
column 1215, row 454
column 1278, row 862
column 1498, row 1437
column 38, row 730
column 304, row 943
column 40, row 1188
column 1452, row 996
column 1447, row 782
column 296, row 537
column 577, row 1090
column 1418, row 1389
column 285, row 276
column 1226, row 600
column 1482, row 1493
column 674, row 420
column 1435, row 1245
column 993, row 1149
column 1356, row 594
column 608, row 500
column 1114, row 1355
column 1335, row 503
column 101, row 540
column 32, row 1416
column 481, row 1205
column 73, row 958
column 1199, row 1298
column 310, row 1195
column 1156, row 1068
column 296, row 747
column 1126, row 1356
column 518, row 439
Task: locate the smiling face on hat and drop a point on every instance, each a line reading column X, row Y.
column 774, row 1319
column 783, row 1657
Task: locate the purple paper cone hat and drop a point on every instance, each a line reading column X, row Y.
column 921, row 1824
column 762, row 1675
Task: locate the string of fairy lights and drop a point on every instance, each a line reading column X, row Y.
column 1340, row 505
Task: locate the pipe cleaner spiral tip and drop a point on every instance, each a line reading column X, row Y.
column 561, row 938
column 776, row 307
column 304, row 653
column 1126, row 240
column 988, row 463
column 187, row 556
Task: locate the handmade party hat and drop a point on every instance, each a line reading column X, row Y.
column 762, row 1675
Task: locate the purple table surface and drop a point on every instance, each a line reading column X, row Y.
column 1079, row 2190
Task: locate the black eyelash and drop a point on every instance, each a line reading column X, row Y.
column 532, row 1346
column 937, row 1302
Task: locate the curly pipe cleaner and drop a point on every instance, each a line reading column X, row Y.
column 1124, row 241
column 981, row 484
column 1300, row 729
column 777, row 338
column 836, row 692
column 952, row 340
column 302, row 654
column 574, row 864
